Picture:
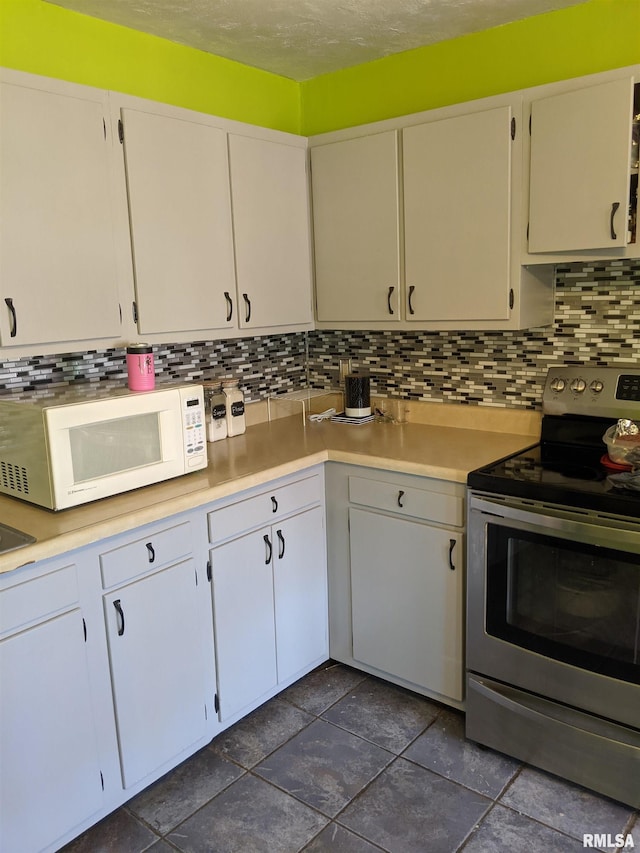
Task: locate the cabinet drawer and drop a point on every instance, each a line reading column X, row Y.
column 418, row 503
column 229, row 521
column 37, row 599
column 136, row 558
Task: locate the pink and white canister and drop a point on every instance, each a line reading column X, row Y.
column 140, row 369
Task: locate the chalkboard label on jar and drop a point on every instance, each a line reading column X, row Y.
column 237, row 408
column 218, row 411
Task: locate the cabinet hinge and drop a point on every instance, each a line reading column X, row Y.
column 209, row 571
column 102, row 780
column 84, row 629
column 120, row 131
column 513, row 127
column 134, row 309
column 512, row 299
column 216, row 704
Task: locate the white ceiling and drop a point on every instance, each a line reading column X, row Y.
column 301, row 39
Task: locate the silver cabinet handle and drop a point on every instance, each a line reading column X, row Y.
column 400, row 496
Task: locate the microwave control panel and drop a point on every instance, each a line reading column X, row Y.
column 194, row 429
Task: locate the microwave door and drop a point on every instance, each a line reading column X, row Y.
column 108, row 446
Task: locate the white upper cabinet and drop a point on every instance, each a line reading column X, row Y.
column 417, row 223
column 180, row 213
column 580, row 172
column 356, row 228
column 270, row 203
column 457, row 217
column 58, row 276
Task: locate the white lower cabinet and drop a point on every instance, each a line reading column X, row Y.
column 107, row 656
column 50, row 771
column 396, row 577
column 269, row 592
column 160, row 648
column 300, row 593
column 243, row 619
column 405, row 594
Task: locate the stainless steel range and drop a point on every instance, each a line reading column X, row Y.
column 553, row 593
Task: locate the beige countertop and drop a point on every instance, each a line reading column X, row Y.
column 272, row 449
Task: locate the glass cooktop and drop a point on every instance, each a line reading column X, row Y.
column 570, row 477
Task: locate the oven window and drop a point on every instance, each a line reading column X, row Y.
column 112, row 447
column 567, row 600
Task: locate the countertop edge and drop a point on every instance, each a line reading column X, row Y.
column 313, row 448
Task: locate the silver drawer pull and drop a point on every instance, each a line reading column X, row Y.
column 400, row 496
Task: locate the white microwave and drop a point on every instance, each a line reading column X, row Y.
column 59, row 449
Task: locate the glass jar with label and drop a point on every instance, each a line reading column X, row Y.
column 235, row 407
column 216, row 405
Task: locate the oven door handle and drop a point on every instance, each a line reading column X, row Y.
column 588, row 527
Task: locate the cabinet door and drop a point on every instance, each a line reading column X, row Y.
column 457, row 204
column 158, row 652
column 355, row 224
column 243, row 620
column 179, row 207
column 300, row 585
column 270, row 202
column 580, row 144
column 407, row 601
column 58, row 278
column 49, row 773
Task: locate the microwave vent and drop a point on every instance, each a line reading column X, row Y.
column 14, row 478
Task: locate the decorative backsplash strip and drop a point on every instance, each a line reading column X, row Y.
column 597, row 323
column 263, row 365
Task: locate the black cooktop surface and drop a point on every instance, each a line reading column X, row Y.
column 559, row 474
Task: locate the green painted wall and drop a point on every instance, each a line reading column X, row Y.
column 48, row 40
column 583, row 39
column 594, row 36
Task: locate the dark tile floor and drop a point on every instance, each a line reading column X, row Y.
column 344, row 762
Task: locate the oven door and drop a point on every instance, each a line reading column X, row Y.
column 553, row 604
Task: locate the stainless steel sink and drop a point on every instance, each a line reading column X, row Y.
column 10, row 539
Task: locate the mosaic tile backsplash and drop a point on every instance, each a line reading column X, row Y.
column 263, row 365
column 597, row 323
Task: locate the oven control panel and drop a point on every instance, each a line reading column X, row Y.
column 597, row 391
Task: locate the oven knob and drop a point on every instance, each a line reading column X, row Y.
column 578, row 386
column 558, row 384
column 596, row 386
